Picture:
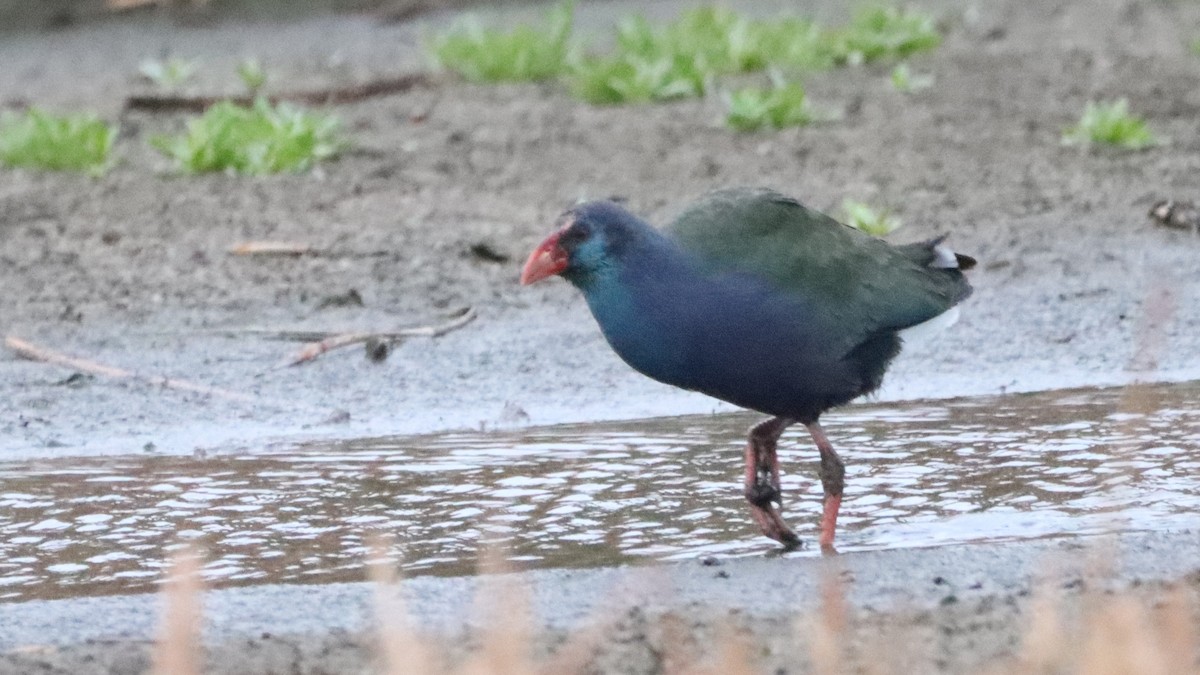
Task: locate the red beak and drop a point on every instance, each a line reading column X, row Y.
column 546, row 260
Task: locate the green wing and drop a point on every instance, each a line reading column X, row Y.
column 858, row 285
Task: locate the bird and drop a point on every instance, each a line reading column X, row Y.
column 753, row 298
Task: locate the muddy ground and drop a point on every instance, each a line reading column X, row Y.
column 1076, row 285
column 132, row 269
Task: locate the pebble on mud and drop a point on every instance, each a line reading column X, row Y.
column 1181, row 215
column 377, row 350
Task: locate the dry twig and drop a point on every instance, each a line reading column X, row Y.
column 270, row 248
column 401, row 648
column 337, row 341
column 35, row 353
column 330, row 96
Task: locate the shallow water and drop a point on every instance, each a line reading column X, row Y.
column 919, row 474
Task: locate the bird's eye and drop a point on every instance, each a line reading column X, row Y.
column 576, row 234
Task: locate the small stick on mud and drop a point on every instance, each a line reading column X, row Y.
column 337, row 341
column 35, row 353
column 330, row 96
column 1181, row 215
column 271, row 248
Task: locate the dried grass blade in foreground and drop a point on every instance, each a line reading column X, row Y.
column 1123, row 634
column 829, row 628
column 1178, row 627
column 1127, row 635
column 1041, row 651
column 505, row 603
column 734, row 654
column 401, row 650
column 177, row 650
column 35, row 353
column 313, row 350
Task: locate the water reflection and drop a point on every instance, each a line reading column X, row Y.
column 922, row 474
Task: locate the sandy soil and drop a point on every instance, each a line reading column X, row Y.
column 132, row 270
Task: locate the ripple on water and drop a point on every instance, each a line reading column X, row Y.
column 971, row 470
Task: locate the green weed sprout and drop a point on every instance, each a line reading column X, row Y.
column 867, row 219
column 784, row 105
column 906, row 82
column 168, row 74
column 1195, row 46
column 649, row 64
column 252, row 75
column 722, row 41
column 1110, row 124
column 37, row 139
column 630, row 78
column 255, row 140
column 717, row 39
column 682, row 58
column 800, row 44
column 526, row 53
column 886, row 32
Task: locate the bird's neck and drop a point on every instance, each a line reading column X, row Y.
column 627, row 299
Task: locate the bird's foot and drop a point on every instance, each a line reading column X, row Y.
column 771, row 524
column 761, row 487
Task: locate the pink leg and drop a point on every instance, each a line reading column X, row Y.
column 762, row 486
column 833, row 480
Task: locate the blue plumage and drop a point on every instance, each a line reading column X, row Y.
column 754, row 299
column 730, row 335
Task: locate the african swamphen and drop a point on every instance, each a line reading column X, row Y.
column 755, row 299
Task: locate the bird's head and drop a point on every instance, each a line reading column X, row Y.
column 588, row 239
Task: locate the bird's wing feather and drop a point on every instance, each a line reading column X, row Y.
column 858, row 285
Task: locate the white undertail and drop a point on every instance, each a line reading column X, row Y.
column 927, row 329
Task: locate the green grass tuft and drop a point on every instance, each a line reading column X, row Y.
column 1195, row 46
column 716, row 39
column 252, row 75
column 170, row 73
column 906, row 82
column 256, row 140
column 630, row 78
column 36, row 139
column 1110, row 124
column 799, row 44
column 784, row 105
column 681, row 58
column 725, row 42
column 886, row 32
column 526, row 53
column 867, row 219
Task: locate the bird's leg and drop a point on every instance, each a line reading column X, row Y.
column 762, row 486
column 833, row 479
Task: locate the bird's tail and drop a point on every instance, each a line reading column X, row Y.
column 944, row 268
column 941, row 256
